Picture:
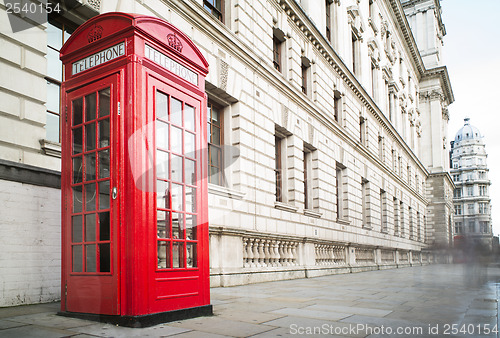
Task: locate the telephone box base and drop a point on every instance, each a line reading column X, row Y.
column 145, row 320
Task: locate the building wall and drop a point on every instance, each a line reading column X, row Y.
column 30, row 237
column 384, row 206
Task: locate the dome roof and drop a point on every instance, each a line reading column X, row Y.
column 467, row 132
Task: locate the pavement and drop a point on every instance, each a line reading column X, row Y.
column 425, row 301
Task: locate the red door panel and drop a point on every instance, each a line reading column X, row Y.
column 178, row 148
column 90, row 221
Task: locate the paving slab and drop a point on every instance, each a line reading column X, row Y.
column 351, row 305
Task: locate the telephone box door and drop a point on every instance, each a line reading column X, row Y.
column 180, row 133
column 90, row 242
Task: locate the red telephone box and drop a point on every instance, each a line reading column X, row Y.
column 134, row 189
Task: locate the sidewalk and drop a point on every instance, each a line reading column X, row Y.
column 425, row 301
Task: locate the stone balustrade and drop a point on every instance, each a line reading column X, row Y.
column 387, row 256
column 329, row 254
column 365, row 255
column 265, row 252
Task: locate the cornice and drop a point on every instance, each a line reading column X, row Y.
column 441, row 73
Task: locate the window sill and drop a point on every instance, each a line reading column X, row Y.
column 51, row 148
column 225, row 192
column 343, row 221
column 285, row 207
column 312, row 213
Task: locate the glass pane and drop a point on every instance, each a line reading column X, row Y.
column 176, row 197
column 214, row 156
column 52, row 127
column 163, row 224
column 53, row 97
column 77, row 140
column 90, row 167
column 54, row 65
column 104, row 195
column 103, row 133
column 191, row 255
column 76, row 229
column 90, row 137
column 77, row 258
column 77, row 198
column 176, row 140
column 178, row 255
column 90, row 192
column 104, row 226
column 90, row 252
column 189, row 117
column 215, row 175
column 176, row 111
column 177, row 225
column 190, row 199
column 161, row 106
column 90, row 107
column 104, row 257
column 189, row 145
column 190, row 227
column 161, row 135
column 190, row 174
column 90, row 228
column 163, row 255
column 77, row 170
column 209, row 133
column 176, row 168
column 104, row 164
column 215, row 137
column 162, row 194
column 215, row 116
column 104, row 102
column 162, row 164
column 54, row 36
column 77, row 111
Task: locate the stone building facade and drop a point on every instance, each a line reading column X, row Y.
column 327, row 129
column 471, row 196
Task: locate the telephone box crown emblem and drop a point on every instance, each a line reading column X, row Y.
column 95, row 33
column 174, row 42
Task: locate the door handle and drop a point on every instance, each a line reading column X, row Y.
column 114, row 193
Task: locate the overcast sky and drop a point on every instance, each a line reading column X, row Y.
column 472, row 54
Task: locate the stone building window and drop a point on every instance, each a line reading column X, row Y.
column 482, row 190
column 328, row 15
column 396, row 216
column 308, row 155
column 472, row 227
column 383, row 211
column 214, row 7
column 483, row 208
column 470, row 208
column 337, row 106
column 278, row 49
column 365, row 197
column 355, row 53
column 483, row 225
column 340, row 192
column 305, row 75
column 57, row 35
column 458, row 209
column 215, row 131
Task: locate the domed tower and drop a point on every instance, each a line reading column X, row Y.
column 471, row 196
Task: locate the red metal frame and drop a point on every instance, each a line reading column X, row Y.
column 141, row 51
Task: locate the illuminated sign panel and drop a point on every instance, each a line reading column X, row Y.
column 171, row 65
column 98, row 58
